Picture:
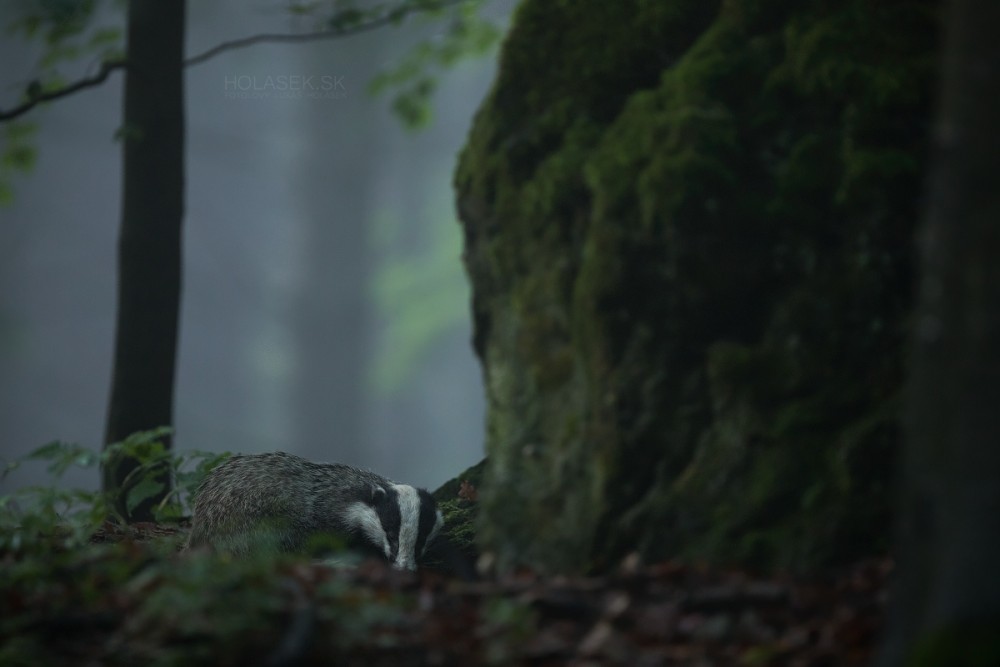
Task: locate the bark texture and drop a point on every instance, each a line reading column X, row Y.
column 688, row 230
column 947, row 596
column 149, row 251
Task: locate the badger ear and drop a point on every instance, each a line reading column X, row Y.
column 377, row 496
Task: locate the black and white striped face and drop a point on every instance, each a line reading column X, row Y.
column 400, row 521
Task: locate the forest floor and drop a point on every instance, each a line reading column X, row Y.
column 309, row 614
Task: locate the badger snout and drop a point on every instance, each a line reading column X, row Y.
column 405, row 563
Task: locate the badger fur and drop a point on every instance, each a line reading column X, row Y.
column 280, row 501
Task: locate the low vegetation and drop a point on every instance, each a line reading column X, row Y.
column 77, row 587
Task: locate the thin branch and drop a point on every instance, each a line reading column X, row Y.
column 392, row 16
column 109, row 66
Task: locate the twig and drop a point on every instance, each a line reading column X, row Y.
column 109, row 66
column 390, row 17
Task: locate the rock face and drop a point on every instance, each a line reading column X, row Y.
column 689, row 232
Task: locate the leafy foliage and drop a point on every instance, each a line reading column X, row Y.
column 142, row 603
column 137, row 601
column 40, row 517
column 68, row 31
column 466, row 34
column 134, row 603
column 17, row 155
column 68, row 34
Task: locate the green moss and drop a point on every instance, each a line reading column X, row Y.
column 688, row 229
column 460, row 523
column 460, row 513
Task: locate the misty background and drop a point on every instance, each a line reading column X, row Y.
column 325, row 311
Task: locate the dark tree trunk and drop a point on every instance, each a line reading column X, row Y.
column 946, row 606
column 690, row 260
column 149, row 268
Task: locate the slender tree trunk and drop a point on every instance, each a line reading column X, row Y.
column 946, row 604
column 149, row 261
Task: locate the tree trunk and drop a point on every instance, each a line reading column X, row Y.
column 688, row 230
column 946, row 602
column 149, row 261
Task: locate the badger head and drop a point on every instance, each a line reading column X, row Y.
column 398, row 521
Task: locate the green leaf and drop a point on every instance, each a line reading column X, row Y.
column 9, row 467
column 60, row 52
column 346, row 19
column 20, row 157
column 21, row 131
column 302, row 8
column 467, row 35
column 147, row 487
column 62, row 455
column 413, row 105
column 104, row 37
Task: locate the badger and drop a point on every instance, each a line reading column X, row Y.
column 279, row 501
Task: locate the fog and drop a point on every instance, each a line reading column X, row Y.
column 325, row 311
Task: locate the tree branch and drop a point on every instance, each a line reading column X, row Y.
column 107, row 68
column 392, row 16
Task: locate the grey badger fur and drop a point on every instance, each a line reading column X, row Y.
column 279, row 501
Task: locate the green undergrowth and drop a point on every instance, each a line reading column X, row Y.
column 78, row 587
column 53, row 515
column 143, row 603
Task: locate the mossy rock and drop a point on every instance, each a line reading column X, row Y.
column 689, row 232
column 460, row 510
